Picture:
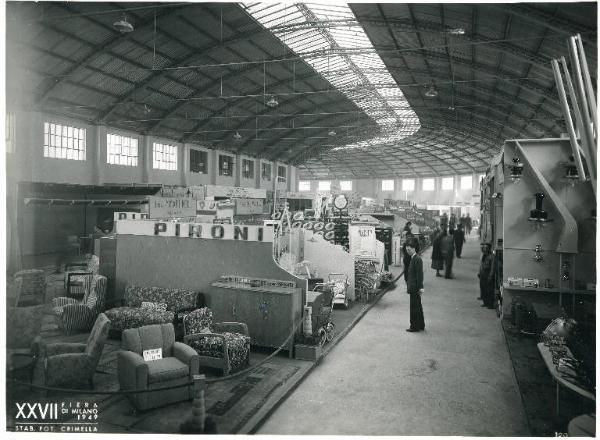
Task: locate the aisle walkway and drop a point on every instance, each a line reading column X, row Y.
column 455, row 378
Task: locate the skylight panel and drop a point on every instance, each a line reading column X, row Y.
column 361, row 74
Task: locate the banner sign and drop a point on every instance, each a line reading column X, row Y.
column 171, row 206
column 195, row 230
column 196, row 192
column 235, row 191
column 248, row 206
column 362, row 240
column 206, row 206
column 298, row 195
column 129, row 215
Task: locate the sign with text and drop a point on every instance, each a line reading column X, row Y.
column 362, row 240
column 171, row 206
column 235, row 192
column 129, row 216
column 248, row 206
column 195, row 230
column 153, row 354
column 206, row 206
column 298, row 195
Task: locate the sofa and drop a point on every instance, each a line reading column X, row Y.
column 151, row 305
column 174, row 369
column 71, row 315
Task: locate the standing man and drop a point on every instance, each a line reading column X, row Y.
column 468, row 224
column 459, row 240
column 486, row 279
column 414, row 287
column 447, row 248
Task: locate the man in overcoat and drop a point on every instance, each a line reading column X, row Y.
column 414, row 287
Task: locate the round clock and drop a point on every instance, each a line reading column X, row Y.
column 340, row 202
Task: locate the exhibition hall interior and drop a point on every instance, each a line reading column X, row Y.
column 301, row 218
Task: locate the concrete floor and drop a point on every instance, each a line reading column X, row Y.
column 456, row 378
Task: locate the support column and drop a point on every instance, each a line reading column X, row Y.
column 146, row 159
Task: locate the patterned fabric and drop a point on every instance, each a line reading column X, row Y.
column 175, row 299
column 23, row 325
column 238, row 347
column 237, row 344
column 133, row 315
column 71, row 315
column 77, row 284
column 159, row 307
column 13, row 292
column 33, row 288
column 73, row 365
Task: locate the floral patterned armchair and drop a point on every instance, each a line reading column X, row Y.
column 77, row 275
column 71, row 315
column 72, row 365
column 224, row 345
column 150, row 305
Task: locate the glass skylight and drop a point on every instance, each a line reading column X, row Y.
column 343, row 54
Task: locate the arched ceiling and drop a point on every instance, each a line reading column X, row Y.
column 200, row 72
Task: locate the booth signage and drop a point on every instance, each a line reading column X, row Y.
column 185, row 191
column 235, row 191
column 171, row 206
column 206, row 206
column 298, row 195
column 129, row 215
column 248, row 206
column 362, row 240
column 195, row 230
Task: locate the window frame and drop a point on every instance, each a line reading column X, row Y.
column 300, row 186
column 451, row 179
column 250, row 174
column 165, row 165
column 197, row 169
column 328, row 182
column 53, row 131
column 470, row 180
column 132, row 160
column 281, row 178
column 414, row 184
column 432, row 179
column 226, row 171
column 342, row 182
column 388, row 181
column 263, row 175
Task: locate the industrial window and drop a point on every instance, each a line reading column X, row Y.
column 281, row 173
column 265, row 173
column 346, row 185
column 247, row 169
column 408, row 184
column 198, row 161
column 164, row 157
column 64, row 142
column 387, row 185
column 225, row 165
column 466, row 182
column 428, row 184
column 304, row 185
column 324, row 185
column 121, row 150
column 447, row 183
column 10, row 132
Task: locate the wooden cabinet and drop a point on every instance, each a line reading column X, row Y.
column 270, row 312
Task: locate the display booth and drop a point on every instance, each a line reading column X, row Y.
column 549, row 230
column 212, row 259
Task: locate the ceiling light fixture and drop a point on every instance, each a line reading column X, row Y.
column 123, row 25
column 237, row 137
column 272, row 102
column 332, row 132
column 432, row 92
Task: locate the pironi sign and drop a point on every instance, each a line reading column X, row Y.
column 195, row 230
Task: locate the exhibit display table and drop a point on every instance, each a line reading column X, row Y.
column 560, row 381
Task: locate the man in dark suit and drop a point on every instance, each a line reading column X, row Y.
column 414, row 287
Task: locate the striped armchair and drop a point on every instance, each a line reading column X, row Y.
column 71, row 315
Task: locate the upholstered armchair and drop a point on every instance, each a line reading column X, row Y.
column 13, row 292
column 23, row 328
column 72, row 365
column 71, row 315
column 224, row 345
column 33, row 287
column 77, row 275
column 177, row 366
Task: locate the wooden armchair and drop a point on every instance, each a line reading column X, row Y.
column 224, row 345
